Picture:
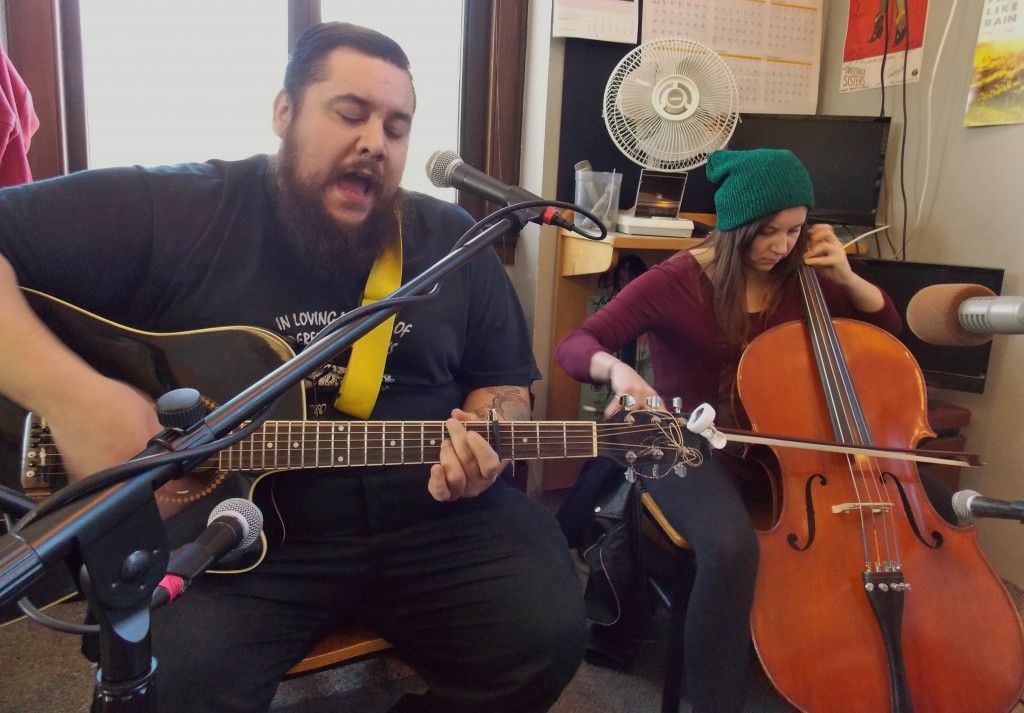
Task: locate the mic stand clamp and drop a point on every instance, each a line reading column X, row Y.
column 118, row 576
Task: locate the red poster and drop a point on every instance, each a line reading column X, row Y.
column 875, row 27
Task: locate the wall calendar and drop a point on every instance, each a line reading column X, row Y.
column 772, row 46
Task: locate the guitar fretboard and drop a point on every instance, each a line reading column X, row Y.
column 341, row 444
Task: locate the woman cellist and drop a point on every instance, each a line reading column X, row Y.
column 699, row 309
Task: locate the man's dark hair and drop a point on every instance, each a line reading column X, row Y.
column 306, row 63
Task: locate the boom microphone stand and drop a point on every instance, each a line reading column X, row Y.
column 116, row 535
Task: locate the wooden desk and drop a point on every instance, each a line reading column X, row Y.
column 578, row 265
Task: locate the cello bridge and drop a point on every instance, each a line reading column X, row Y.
column 868, row 507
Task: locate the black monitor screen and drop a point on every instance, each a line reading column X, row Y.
column 959, row 368
column 845, row 156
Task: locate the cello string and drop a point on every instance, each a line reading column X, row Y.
column 846, row 415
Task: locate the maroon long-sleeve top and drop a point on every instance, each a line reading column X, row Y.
column 673, row 304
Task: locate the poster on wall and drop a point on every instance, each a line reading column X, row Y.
column 893, row 29
column 997, row 87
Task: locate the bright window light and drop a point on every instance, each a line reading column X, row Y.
column 431, row 35
column 196, row 79
column 190, row 80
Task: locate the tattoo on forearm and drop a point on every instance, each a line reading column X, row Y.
column 510, row 403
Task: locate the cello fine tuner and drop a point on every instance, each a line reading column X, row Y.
column 883, row 587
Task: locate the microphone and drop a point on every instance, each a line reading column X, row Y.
column 446, row 170
column 963, row 315
column 971, row 505
column 231, row 528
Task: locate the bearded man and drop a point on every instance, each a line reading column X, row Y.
column 469, row 579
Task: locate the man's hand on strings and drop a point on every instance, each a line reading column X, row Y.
column 469, row 465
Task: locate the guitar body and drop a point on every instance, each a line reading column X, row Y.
column 218, row 362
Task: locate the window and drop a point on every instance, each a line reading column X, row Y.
column 431, row 35
column 184, row 81
column 158, row 112
column 189, row 81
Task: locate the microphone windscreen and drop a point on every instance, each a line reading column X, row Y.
column 247, row 512
column 439, row 167
column 933, row 315
column 962, row 503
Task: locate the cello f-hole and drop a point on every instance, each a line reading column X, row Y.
column 792, row 538
column 936, row 535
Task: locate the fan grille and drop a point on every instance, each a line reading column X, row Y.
column 669, row 103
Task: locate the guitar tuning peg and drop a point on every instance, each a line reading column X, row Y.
column 626, row 401
column 654, row 402
column 677, row 405
column 679, row 469
column 630, row 475
column 654, row 471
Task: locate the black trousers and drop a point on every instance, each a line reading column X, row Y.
column 485, row 605
column 707, row 509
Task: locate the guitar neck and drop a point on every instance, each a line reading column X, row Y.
column 344, row 444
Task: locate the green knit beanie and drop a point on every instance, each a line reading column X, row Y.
column 756, row 183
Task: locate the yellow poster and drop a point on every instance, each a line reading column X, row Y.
column 997, row 88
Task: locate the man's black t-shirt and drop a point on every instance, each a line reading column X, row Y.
column 198, row 245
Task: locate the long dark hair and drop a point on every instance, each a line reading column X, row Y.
column 726, row 251
column 306, row 63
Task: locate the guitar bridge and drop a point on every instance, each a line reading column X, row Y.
column 36, row 478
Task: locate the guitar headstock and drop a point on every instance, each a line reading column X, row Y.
column 649, row 443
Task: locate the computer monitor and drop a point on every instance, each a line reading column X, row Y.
column 957, row 368
column 845, row 156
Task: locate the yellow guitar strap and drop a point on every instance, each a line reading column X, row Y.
column 361, row 385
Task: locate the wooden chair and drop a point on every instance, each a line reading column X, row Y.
column 342, row 646
column 657, row 529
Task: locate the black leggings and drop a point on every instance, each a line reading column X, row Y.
column 706, row 508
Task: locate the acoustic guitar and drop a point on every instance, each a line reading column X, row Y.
column 220, row 362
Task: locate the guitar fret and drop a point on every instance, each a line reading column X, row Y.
column 392, row 443
column 346, row 447
column 253, row 450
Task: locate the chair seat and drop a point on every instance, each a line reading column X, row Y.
column 337, row 647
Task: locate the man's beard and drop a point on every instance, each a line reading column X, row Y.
column 325, row 248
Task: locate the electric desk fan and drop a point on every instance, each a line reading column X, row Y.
column 667, row 105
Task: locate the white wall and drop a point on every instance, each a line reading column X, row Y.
column 973, row 215
column 534, row 271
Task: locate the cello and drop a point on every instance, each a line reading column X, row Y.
column 866, row 599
